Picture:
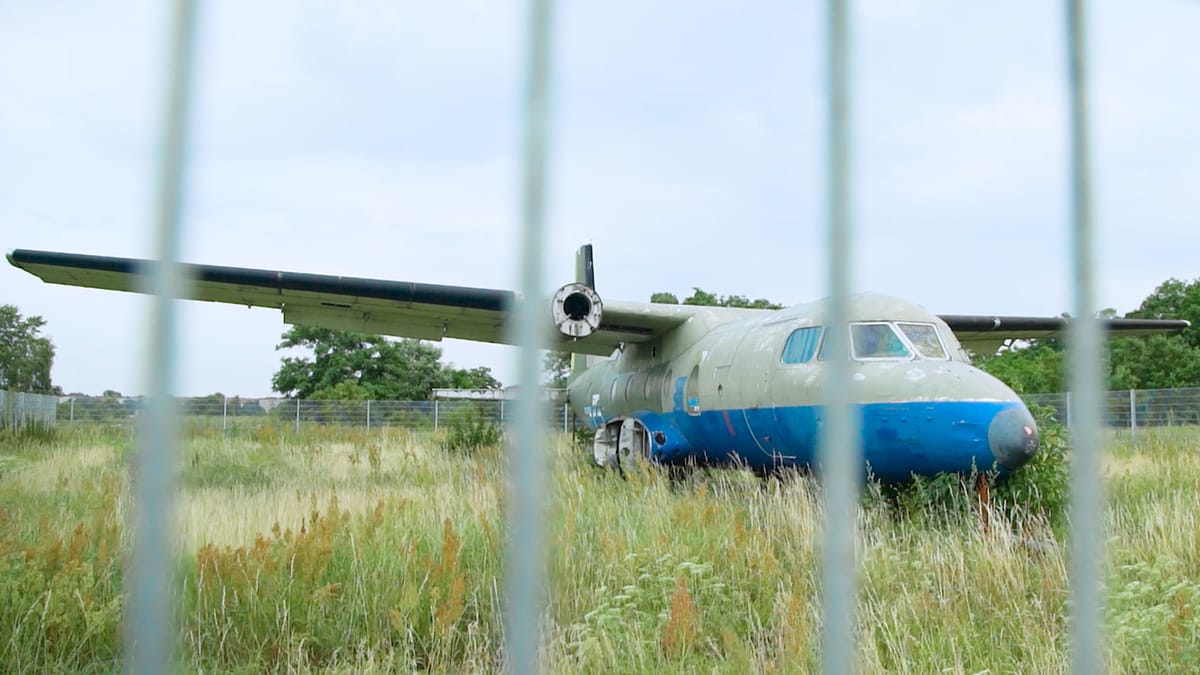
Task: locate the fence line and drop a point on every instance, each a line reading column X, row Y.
column 1131, row 408
column 19, row 410
column 233, row 411
column 1122, row 409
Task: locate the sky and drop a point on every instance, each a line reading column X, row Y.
column 381, row 139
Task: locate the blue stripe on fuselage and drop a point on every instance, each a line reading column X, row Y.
column 899, row 439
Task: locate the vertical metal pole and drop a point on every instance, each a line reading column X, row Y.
column 565, row 413
column 525, row 556
column 72, row 414
column 150, row 627
column 435, row 414
column 1068, row 397
column 224, row 413
column 840, row 454
column 1086, row 341
column 1133, row 414
column 297, row 415
column 368, row 414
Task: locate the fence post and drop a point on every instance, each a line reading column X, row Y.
column 1133, row 414
column 435, row 414
column 565, row 418
column 368, row 414
column 297, row 415
column 1068, row 410
column 71, row 417
column 224, row 413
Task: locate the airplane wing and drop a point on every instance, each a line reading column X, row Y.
column 983, row 334
column 403, row 309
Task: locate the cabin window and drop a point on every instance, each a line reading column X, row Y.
column 629, row 388
column 801, row 345
column 924, row 337
column 876, row 341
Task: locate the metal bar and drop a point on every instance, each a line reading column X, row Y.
column 1086, row 340
column 840, row 454
column 150, row 629
column 525, row 556
column 1133, row 414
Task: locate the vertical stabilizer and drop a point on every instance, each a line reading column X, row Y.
column 585, row 273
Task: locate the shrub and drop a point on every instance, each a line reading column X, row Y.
column 469, row 430
column 1041, row 489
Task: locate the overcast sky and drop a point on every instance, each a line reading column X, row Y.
column 381, row 140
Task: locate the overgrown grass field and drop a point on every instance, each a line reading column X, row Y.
column 347, row 551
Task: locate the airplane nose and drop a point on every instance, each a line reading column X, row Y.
column 1013, row 437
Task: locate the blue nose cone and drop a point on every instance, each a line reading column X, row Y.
column 1013, row 437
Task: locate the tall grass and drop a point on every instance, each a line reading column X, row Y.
column 336, row 550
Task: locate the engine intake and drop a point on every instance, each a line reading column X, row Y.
column 577, row 310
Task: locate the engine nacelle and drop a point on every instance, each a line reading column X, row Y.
column 576, row 309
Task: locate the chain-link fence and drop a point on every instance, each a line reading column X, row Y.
column 236, row 412
column 1123, row 409
column 20, row 411
column 1132, row 408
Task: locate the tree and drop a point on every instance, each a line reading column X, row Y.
column 704, row 298
column 1035, row 368
column 473, row 378
column 1174, row 299
column 25, row 356
column 1155, row 362
column 357, row 366
column 1161, row 361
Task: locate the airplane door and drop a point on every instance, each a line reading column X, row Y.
column 757, row 360
column 795, row 391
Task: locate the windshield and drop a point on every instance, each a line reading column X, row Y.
column 877, row 341
column 924, row 337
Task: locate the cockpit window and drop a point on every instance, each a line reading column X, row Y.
column 801, row 345
column 924, row 337
column 877, row 341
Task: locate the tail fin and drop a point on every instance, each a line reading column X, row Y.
column 585, row 273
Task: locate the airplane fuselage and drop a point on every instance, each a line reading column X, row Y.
column 747, row 390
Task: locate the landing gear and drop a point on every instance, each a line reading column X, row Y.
column 622, row 443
